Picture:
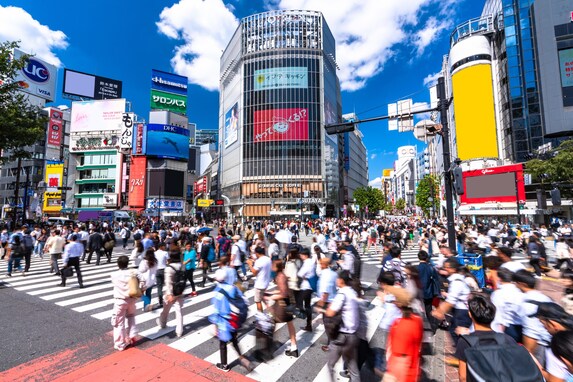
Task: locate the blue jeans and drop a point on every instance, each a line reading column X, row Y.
column 14, row 262
column 147, row 297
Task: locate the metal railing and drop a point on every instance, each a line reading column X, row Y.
column 478, row 26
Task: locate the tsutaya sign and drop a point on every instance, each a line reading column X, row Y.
column 312, row 201
column 279, row 185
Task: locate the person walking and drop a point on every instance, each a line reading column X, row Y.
column 29, row 243
column 55, row 247
column 125, row 234
column 281, row 301
column 95, row 244
column 148, row 270
column 306, row 272
column 161, row 256
column 123, row 316
column 108, row 243
column 190, row 264
column 72, row 253
column 169, row 298
column 41, row 243
column 238, row 256
column 261, row 268
column 16, row 255
column 207, row 251
column 430, row 281
column 326, row 289
column 508, row 301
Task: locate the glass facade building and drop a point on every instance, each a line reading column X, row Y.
column 278, row 88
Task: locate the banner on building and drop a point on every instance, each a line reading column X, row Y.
column 136, row 191
column 78, row 85
column 166, row 204
column 103, row 115
column 168, row 101
column 139, row 138
column 54, row 180
column 232, row 125
column 110, row 200
column 168, row 82
column 37, row 77
column 167, row 141
column 200, row 186
column 55, row 128
column 281, row 78
column 281, row 125
column 126, row 137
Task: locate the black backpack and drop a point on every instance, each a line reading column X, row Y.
column 502, row 362
column 178, row 282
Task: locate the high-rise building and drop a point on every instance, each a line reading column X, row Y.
column 278, row 88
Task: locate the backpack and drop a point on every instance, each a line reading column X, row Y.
column 28, row 243
column 241, row 253
column 127, row 233
column 239, row 308
column 497, row 363
column 332, row 324
column 226, row 245
column 211, row 257
column 178, row 282
column 373, row 233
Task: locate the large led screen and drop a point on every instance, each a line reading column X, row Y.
column 231, row 125
column 97, row 115
column 494, row 185
column 281, row 78
column 280, row 125
column 566, row 67
column 167, row 141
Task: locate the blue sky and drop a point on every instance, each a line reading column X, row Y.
column 386, row 49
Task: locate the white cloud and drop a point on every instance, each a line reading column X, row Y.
column 367, row 33
column 376, row 183
column 18, row 25
column 431, row 79
column 206, row 28
column 373, row 156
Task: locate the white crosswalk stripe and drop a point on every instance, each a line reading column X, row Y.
column 96, row 300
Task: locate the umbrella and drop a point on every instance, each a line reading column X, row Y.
column 204, row 230
column 283, row 236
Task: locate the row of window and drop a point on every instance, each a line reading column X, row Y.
column 105, row 173
column 98, row 159
column 90, row 202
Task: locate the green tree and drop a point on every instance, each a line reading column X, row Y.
column 556, row 166
column 21, row 124
column 400, row 205
column 371, row 197
column 428, row 187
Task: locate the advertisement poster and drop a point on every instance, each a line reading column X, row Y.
column 168, row 101
column 281, row 78
column 136, row 189
column 126, row 137
column 232, row 125
column 566, row 67
column 55, row 129
column 281, row 125
column 37, row 77
column 168, row 82
column 166, row 141
column 84, row 85
column 54, row 179
column 139, row 139
column 97, row 115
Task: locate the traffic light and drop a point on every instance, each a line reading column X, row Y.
column 340, row 128
column 556, row 197
column 541, row 199
column 458, row 180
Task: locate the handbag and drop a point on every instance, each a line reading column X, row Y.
column 134, row 290
column 109, row 245
column 68, row 271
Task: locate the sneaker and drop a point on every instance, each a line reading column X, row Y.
column 306, row 328
column 193, row 294
column 148, row 308
column 9, row 274
column 159, row 323
column 292, row 353
column 452, row 361
column 118, row 348
column 344, row 374
column 325, row 348
column 222, row 367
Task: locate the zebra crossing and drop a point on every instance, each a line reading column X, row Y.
column 96, row 300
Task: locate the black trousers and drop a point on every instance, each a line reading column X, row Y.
column 28, row 260
column 74, row 262
column 536, row 266
column 98, row 253
column 223, row 347
column 160, row 281
column 305, row 297
column 428, row 307
column 189, row 276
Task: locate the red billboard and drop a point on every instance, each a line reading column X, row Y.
column 494, row 185
column 281, row 125
column 200, row 186
column 137, row 182
column 55, row 128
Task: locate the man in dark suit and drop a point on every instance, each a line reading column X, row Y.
column 95, row 244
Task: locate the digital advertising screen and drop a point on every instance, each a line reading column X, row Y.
column 281, row 78
column 280, row 125
column 493, row 185
column 167, row 141
column 232, row 125
column 566, row 67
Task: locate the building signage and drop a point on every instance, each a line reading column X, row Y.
column 204, row 202
column 37, row 77
column 136, row 190
column 566, row 67
column 281, row 78
column 110, row 200
column 281, row 125
column 126, row 136
column 139, row 139
column 54, row 180
column 78, row 85
column 168, row 82
column 232, row 125
column 311, row 201
column 168, row 204
column 279, row 185
column 79, row 143
column 101, row 115
column 167, row 141
column 200, row 186
column 55, row 128
column 168, row 101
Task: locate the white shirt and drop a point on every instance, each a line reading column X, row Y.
column 235, row 255
column 119, row 280
column 458, row 292
column 513, row 266
column 161, row 257
column 147, row 274
column 508, row 301
column 321, row 242
column 555, row 366
column 346, row 300
column 305, row 272
column 327, row 283
column 532, row 327
column 263, row 267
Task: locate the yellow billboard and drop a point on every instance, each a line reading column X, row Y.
column 387, row 172
column 204, row 202
column 474, row 112
column 54, row 179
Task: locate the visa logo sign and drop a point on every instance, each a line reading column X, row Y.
column 44, row 92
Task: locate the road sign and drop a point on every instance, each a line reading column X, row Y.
column 219, row 202
column 204, row 202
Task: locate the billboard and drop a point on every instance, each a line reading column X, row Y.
column 54, row 179
column 167, row 141
column 55, row 128
column 84, row 85
column 97, row 115
column 168, row 101
column 566, row 67
column 166, row 204
column 166, row 183
column 37, row 77
column 474, row 111
column 494, row 185
column 281, row 78
column 281, row 125
column 139, row 139
column 136, row 189
column 168, row 82
column 126, row 136
column 232, row 125
column 387, row 172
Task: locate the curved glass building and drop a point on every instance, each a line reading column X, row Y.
column 278, row 88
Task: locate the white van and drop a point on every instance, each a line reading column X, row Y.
column 59, row 221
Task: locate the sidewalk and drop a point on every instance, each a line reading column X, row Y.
column 97, row 361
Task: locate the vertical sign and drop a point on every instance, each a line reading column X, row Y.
column 55, row 128
column 139, row 139
column 137, row 182
column 126, row 139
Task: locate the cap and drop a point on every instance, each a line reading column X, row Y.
column 237, row 237
column 552, row 311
